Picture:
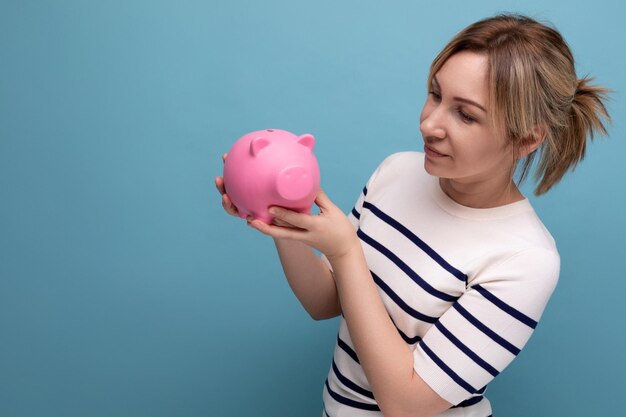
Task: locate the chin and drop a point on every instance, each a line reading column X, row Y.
column 432, row 169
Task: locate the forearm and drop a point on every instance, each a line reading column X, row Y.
column 385, row 357
column 309, row 278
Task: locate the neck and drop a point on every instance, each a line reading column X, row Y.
column 487, row 194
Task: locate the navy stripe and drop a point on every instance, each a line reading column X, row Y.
column 365, row 190
column 505, row 307
column 400, row 302
column 407, row 339
column 486, row 330
column 405, row 268
column 482, row 390
column 416, row 240
column 455, row 377
column 469, row 401
column 343, row 345
column 466, row 350
column 325, row 413
column 347, row 401
column 350, row 384
column 356, row 213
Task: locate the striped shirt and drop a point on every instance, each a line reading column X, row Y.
column 464, row 287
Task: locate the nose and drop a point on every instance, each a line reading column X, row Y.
column 294, row 183
column 432, row 124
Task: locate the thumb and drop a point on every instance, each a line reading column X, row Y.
column 322, row 199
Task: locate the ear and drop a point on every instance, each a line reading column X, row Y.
column 307, row 140
column 257, row 144
column 530, row 144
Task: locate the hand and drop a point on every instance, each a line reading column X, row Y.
column 228, row 205
column 330, row 231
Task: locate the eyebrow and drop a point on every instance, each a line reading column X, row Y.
column 461, row 99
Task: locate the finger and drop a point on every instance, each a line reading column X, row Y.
column 281, row 223
column 293, row 218
column 276, row 231
column 219, row 184
column 322, row 200
column 284, row 224
column 229, row 206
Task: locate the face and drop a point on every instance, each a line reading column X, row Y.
column 459, row 142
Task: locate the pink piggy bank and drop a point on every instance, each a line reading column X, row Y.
column 271, row 168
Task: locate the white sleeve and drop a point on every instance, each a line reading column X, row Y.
column 485, row 329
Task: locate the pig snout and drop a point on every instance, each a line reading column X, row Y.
column 294, row 183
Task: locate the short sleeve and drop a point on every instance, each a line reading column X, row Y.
column 487, row 327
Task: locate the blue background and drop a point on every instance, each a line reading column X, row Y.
column 125, row 290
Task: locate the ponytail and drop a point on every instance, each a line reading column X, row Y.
column 565, row 145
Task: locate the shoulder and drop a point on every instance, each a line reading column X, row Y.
column 535, row 268
column 399, row 163
column 405, row 159
column 524, row 280
column 396, row 177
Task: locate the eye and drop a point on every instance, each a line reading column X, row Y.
column 465, row 117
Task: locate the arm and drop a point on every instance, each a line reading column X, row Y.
column 309, row 277
column 386, row 359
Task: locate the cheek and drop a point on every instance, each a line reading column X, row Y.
column 485, row 152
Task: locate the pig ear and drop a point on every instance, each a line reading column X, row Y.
column 257, row 144
column 307, row 140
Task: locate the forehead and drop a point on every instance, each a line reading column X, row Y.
column 464, row 74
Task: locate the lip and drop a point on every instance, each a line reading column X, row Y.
column 432, row 152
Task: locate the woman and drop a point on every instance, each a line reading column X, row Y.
column 442, row 269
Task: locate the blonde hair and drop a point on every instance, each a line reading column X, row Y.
column 534, row 88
